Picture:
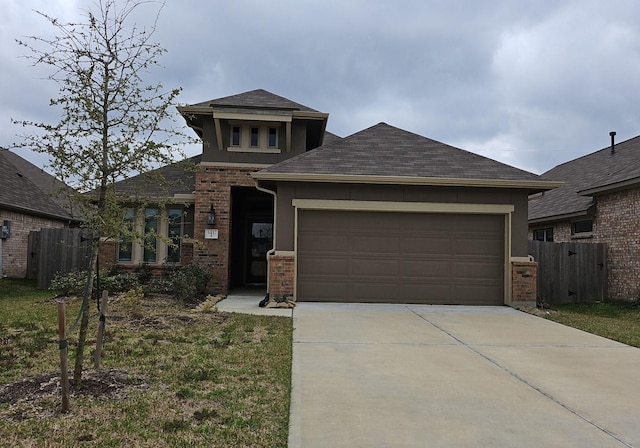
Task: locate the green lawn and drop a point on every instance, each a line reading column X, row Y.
column 619, row 321
column 171, row 376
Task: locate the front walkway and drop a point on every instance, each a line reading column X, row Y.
column 246, row 302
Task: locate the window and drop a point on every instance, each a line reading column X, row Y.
column 235, row 136
column 543, row 234
column 255, row 137
column 125, row 247
column 174, row 232
column 582, row 227
column 273, row 138
column 150, row 252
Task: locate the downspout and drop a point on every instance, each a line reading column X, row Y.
column 271, row 251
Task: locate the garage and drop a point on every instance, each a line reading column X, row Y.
column 373, row 256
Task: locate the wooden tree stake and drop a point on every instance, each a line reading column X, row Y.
column 64, row 358
column 103, row 314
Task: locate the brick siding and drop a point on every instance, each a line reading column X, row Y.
column 281, row 275
column 15, row 248
column 523, row 282
column 213, row 187
column 618, row 225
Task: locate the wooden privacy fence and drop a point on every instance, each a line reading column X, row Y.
column 570, row 272
column 53, row 251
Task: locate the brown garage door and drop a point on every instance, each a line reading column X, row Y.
column 400, row 257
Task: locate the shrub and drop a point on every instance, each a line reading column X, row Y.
column 119, row 282
column 144, row 272
column 69, row 284
column 72, row 283
column 132, row 300
column 187, row 283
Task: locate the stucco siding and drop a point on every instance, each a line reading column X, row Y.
column 287, row 191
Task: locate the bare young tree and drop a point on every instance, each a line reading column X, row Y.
column 112, row 125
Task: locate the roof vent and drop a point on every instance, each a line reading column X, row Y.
column 613, row 142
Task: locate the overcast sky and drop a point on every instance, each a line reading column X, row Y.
column 529, row 83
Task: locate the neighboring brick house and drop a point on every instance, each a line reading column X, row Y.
column 279, row 202
column 30, row 199
column 600, row 203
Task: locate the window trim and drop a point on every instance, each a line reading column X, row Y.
column 162, row 249
column 547, row 234
column 583, row 233
column 246, row 138
column 130, row 217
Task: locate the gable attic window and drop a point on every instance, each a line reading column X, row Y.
column 543, row 234
column 582, row 228
column 235, row 136
column 273, row 138
column 255, row 137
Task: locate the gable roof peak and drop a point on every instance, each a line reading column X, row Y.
column 255, row 99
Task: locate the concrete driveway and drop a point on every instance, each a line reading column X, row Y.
column 434, row 376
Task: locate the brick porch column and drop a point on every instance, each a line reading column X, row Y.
column 523, row 283
column 281, row 275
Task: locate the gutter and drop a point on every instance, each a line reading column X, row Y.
column 271, row 251
column 534, row 185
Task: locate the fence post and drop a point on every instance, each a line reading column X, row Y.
column 103, row 318
column 64, row 359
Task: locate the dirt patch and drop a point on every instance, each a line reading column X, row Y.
column 35, row 391
column 537, row 311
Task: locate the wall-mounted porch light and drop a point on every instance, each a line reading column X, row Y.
column 211, row 216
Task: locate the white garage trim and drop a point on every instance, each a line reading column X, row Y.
column 412, row 207
column 409, row 207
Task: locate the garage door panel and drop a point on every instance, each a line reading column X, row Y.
column 478, row 246
column 323, row 290
column 426, row 245
column 382, row 245
column 364, row 290
column 429, row 269
column 464, row 270
column 478, row 295
column 400, row 257
column 377, row 267
column 323, row 242
column 324, row 265
column 436, row 293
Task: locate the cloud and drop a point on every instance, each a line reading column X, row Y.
column 529, row 83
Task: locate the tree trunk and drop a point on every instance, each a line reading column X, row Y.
column 84, row 321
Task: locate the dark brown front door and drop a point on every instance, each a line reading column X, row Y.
column 259, row 241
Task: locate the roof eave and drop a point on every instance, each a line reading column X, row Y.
column 408, row 180
column 28, row 211
column 563, row 217
column 610, row 188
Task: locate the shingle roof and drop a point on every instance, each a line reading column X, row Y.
column 253, row 99
column 600, row 169
column 176, row 180
column 384, row 150
column 27, row 188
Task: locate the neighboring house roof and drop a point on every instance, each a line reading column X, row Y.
column 593, row 174
column 386, row 154
column 255, row 99
column 178, row 179
column 330, row 139
column 28, row 189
